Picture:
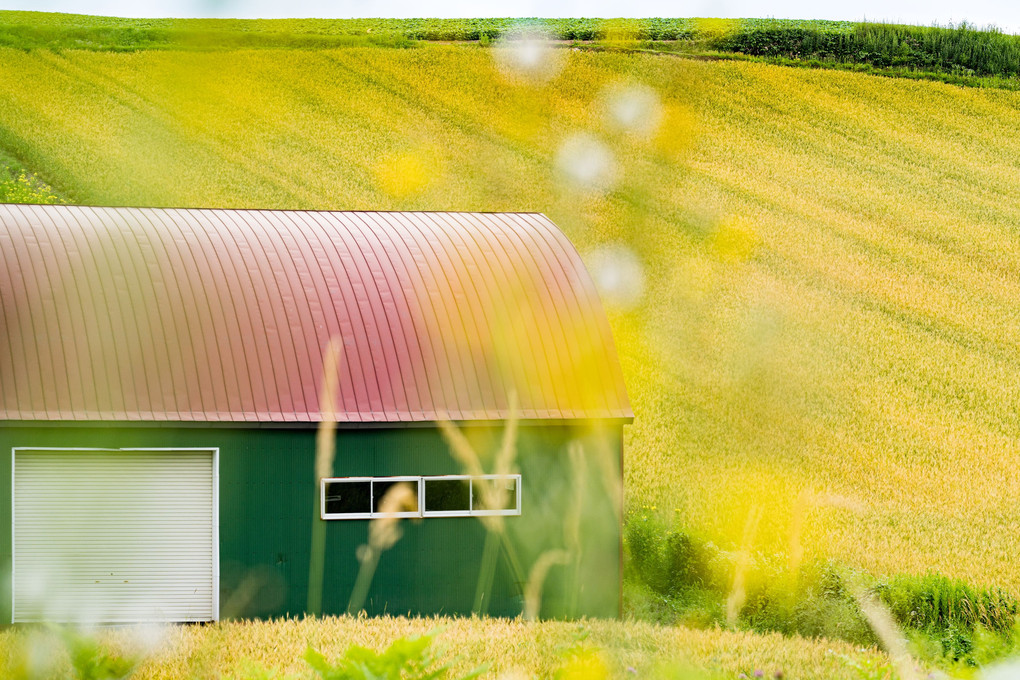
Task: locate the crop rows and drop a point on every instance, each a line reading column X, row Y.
column 823, row 324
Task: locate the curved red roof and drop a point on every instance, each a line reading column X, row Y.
column 222, row 315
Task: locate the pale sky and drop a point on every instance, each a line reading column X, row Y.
column 1003, row 13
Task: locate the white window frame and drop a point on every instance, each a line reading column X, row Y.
column 471, row 511
column 371, row 498
column 419, row 482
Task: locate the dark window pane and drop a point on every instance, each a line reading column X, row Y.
column 503, row 493
column 345, row 498
column 446, row 495
column 381, row 488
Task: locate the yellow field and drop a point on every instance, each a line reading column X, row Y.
column 512, row 649
column 824, row 317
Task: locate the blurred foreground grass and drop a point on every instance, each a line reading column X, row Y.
column 811, row 275
column 514, row 648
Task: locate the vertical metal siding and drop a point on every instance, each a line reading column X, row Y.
column 114, row 536
column 284, row 265
column 266, row 514
column 88, row 347
column 406, row 258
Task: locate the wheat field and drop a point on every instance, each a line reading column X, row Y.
column 812, row 276
column 594, row 650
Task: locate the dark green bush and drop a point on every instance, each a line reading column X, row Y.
column 670, row 562
column 961, row 50
column 815, row 604
column 948, row 610
column 688, row 581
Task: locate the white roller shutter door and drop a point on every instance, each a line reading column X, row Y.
column 115, row 536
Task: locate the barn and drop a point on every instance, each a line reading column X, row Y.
column 163, row 385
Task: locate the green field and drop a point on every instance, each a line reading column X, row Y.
column 961, row 54
column 30, row 28
column 827, row 321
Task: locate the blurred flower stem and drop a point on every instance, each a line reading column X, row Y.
column 383, row 534
column 325, row 451
column 493, row 497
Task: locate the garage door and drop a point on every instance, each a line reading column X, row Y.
column 115, row 536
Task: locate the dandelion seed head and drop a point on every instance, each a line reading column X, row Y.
column 528, row 53
column 842, row 502
column 148, row 639
column 42, row 650
column 619, row 275
column 586, row 163
column 514, row 674
column 86, row 613
column 634, row 109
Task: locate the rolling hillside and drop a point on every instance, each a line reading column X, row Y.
column 812, row 275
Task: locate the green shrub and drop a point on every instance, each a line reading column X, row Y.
column 686, row 581
column 957, row 616
column 962, row 50
column 938, row 603
column 91, row 661
column 815, row 604
column 407, row 658
column 670, row 562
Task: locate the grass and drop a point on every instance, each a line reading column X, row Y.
column 962, row 54
column 811, row 278
column 963, row 49
column 513, row 648
column 17, row 185
column 27, row 29
column 674, row 577
column 826, row 259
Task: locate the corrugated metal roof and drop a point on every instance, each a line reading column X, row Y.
column 223, row 315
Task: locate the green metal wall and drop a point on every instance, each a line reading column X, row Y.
column 268, row 501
